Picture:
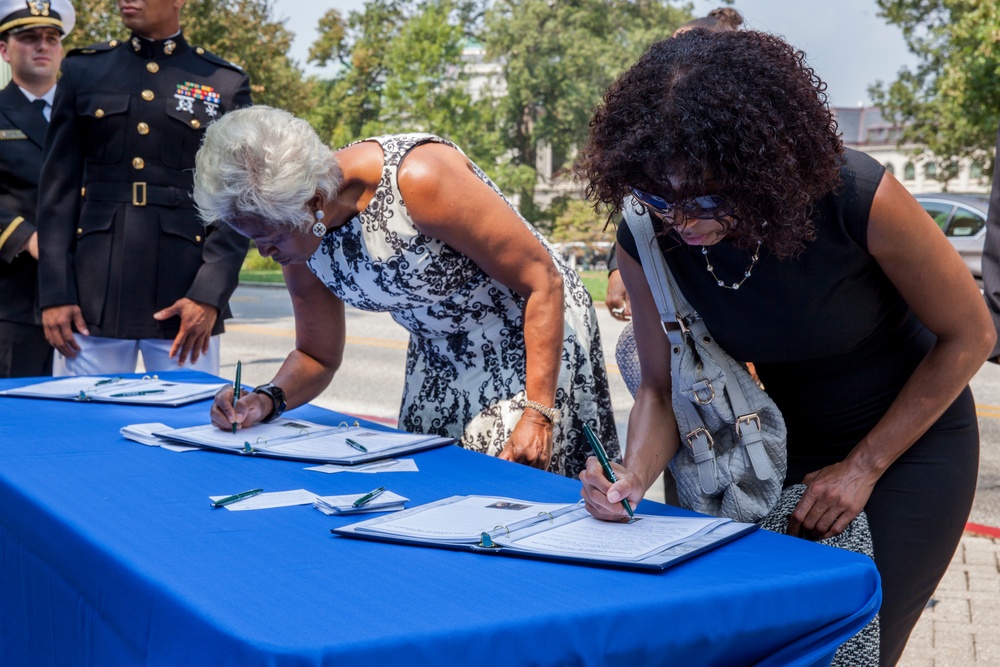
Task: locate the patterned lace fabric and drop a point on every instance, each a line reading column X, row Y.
column 465, row 367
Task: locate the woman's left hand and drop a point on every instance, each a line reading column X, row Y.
column 834, row 496
column 531, row 442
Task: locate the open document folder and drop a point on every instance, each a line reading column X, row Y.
column 137, row 391
column 300, row 440
column 550, row 531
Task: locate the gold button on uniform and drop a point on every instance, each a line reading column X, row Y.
column 79, row 231
column 200, row 51
column 138, row 163
column 113, row 43
column 143, row 128
column 148, row 95
column 195, row 123
column 152, row 67
column 99, row 113
column 197, row 238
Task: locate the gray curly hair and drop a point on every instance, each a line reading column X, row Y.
column 263, row 164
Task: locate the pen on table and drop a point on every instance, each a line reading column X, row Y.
column 368, row 497
column 137, row 393
column 357, row 445
column 229, row 500
column 236, row 389
column 602, row 456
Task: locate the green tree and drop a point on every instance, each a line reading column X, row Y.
column 575, row 220
column 241, row 31
column 356, row 46
column 558, row 58
column 951, row 101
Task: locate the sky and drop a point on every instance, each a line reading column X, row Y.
column 845, row 41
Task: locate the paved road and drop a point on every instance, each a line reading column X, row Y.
column 370, row 381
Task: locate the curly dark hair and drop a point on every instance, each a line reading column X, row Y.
column 738, row 114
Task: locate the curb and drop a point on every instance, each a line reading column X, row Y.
column 981, row 530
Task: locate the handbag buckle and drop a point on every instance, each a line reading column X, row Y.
column 751, row 418
column 701, row 430
column 707, row 386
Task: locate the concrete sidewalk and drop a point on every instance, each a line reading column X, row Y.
column 961, row 625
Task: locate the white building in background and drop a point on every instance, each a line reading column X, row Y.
column 864, row 129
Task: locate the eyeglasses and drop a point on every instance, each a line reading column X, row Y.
column 706, row 207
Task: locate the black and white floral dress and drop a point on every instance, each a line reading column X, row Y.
column 465, row 366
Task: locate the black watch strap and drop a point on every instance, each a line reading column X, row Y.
column 277, row 397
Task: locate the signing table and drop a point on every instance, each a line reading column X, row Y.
column 110, row 554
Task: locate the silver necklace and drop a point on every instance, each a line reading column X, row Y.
column 746, row 274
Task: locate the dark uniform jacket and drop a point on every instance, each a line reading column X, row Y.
column 118, row 231
column 22, row 134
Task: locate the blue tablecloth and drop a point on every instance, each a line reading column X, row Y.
column 110, row 554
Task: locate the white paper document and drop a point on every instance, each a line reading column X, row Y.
column 139, row 391
column 301, row 440
column 144, row 433
column 553, row 531
column 465, row 519
column 387, row 501
column 263, row 501
column 385, row 465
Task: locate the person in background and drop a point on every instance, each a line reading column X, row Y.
column 504, row 352
column 862, row 321
column 722, row 19
column 991, row 252
column 31, row 43
column 126, row 265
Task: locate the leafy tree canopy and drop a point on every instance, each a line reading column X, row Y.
column 425, row 66
column 951, row 101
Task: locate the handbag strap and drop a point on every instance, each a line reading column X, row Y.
column 653, row 265
column 673, row 305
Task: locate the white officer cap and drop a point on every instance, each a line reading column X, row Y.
column 18, row 15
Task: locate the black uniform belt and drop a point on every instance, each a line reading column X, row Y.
column 139, row 194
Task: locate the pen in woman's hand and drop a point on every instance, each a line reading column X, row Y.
column 602, row 456
column 236, row 389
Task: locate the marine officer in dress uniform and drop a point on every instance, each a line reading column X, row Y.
column 31, row 42
column 126, row 265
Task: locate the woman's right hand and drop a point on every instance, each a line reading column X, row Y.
column 250, row 409
column 604, row 499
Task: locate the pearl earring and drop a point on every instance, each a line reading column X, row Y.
column 319, row 229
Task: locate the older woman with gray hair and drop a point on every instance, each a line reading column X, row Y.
column 504, row 352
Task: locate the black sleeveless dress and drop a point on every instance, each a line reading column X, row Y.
column 833, row 342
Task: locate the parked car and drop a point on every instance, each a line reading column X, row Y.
column 963, row 220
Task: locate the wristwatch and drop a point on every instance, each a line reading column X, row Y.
column 277, row 396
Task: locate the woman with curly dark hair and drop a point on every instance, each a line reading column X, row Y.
column 810, row 260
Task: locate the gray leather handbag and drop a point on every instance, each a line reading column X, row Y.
column 732, row 459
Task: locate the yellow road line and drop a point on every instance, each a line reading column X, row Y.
column 991, row 411
column 290, row 333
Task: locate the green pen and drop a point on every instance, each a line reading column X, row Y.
column 236, row 389
column 368, row 497
column 229, row 500
column 357, row 445
column 138, row 393
column 602, row 456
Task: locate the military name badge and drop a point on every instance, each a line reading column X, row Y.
column 188, row 93
column 6, row 135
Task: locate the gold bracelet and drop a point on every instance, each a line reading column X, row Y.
column 549, row 413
